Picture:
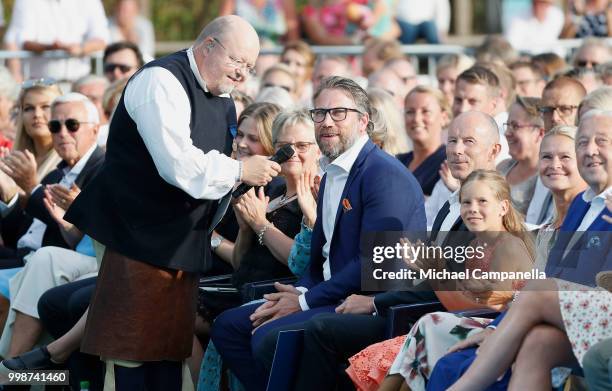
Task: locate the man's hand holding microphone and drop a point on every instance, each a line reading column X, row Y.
column 258, row 170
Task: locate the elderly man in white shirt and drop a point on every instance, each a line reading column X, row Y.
column 154, row 203
column 79, row 27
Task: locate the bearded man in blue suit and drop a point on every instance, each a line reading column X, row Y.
column 363, row 190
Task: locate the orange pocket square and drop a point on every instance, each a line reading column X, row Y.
column 346, row 205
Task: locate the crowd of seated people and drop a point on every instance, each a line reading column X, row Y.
column 508, row 152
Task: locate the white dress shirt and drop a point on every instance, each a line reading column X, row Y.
column 34, row 236
column 159, row 105
column 434, row 202
column 337, row 172
column 598, row 203
column 66, row 21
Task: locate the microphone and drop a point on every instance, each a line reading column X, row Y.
column 281, row 156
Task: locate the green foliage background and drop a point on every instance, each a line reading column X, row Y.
column 181, row 20
column 173, row 20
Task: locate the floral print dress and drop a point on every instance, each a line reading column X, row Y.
column 587, row 315
column 414, row 356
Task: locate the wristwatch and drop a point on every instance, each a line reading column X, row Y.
column 215, row 242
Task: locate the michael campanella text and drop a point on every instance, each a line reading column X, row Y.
column 477, row 274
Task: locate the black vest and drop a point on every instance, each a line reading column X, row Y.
column 129, row 208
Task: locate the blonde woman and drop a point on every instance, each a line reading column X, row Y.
column 33, row 155
column 426, row 114
column 388, row 131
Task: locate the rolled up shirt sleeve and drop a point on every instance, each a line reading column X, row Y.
column 159, row 105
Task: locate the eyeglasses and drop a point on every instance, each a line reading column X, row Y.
column 336, row 113
column 564, row 110
column 43, row 81
column 110, row 68
column 514, row 126
column 55, row 126
column 300, row 146
column 236, row 63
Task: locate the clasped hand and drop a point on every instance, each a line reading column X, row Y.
column 57, row 200
column 282, row 303
column 251, row 209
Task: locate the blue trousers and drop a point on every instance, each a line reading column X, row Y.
column 249, row 355
column 450, row 368
column 411, row 32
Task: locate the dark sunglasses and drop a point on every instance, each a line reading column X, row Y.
column 110, row 68
column 584, row 63
column 55, row 126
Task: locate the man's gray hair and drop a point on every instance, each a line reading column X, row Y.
column 72, row 97
column 600, row 99
column 89, row 79
column 595, row 113
column 351, row 89
column 593, row 42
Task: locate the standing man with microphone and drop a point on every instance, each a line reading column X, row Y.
column 155, row 200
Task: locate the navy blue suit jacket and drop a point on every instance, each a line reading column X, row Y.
column 589, row 255
column 383, row 196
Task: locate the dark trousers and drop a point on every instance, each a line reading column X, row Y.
column 330, row 339
column 11, row 258
column 59, row 309
column 150, row 376
column 249, row 355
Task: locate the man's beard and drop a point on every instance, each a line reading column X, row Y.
column 337, row 149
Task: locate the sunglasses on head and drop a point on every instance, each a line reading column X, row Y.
column 43, row 82
column 55, row 126
column 110, row 68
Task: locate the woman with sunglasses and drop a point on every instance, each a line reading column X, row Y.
column 33, row 155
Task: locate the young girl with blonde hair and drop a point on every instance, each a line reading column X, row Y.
column 405, row 362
